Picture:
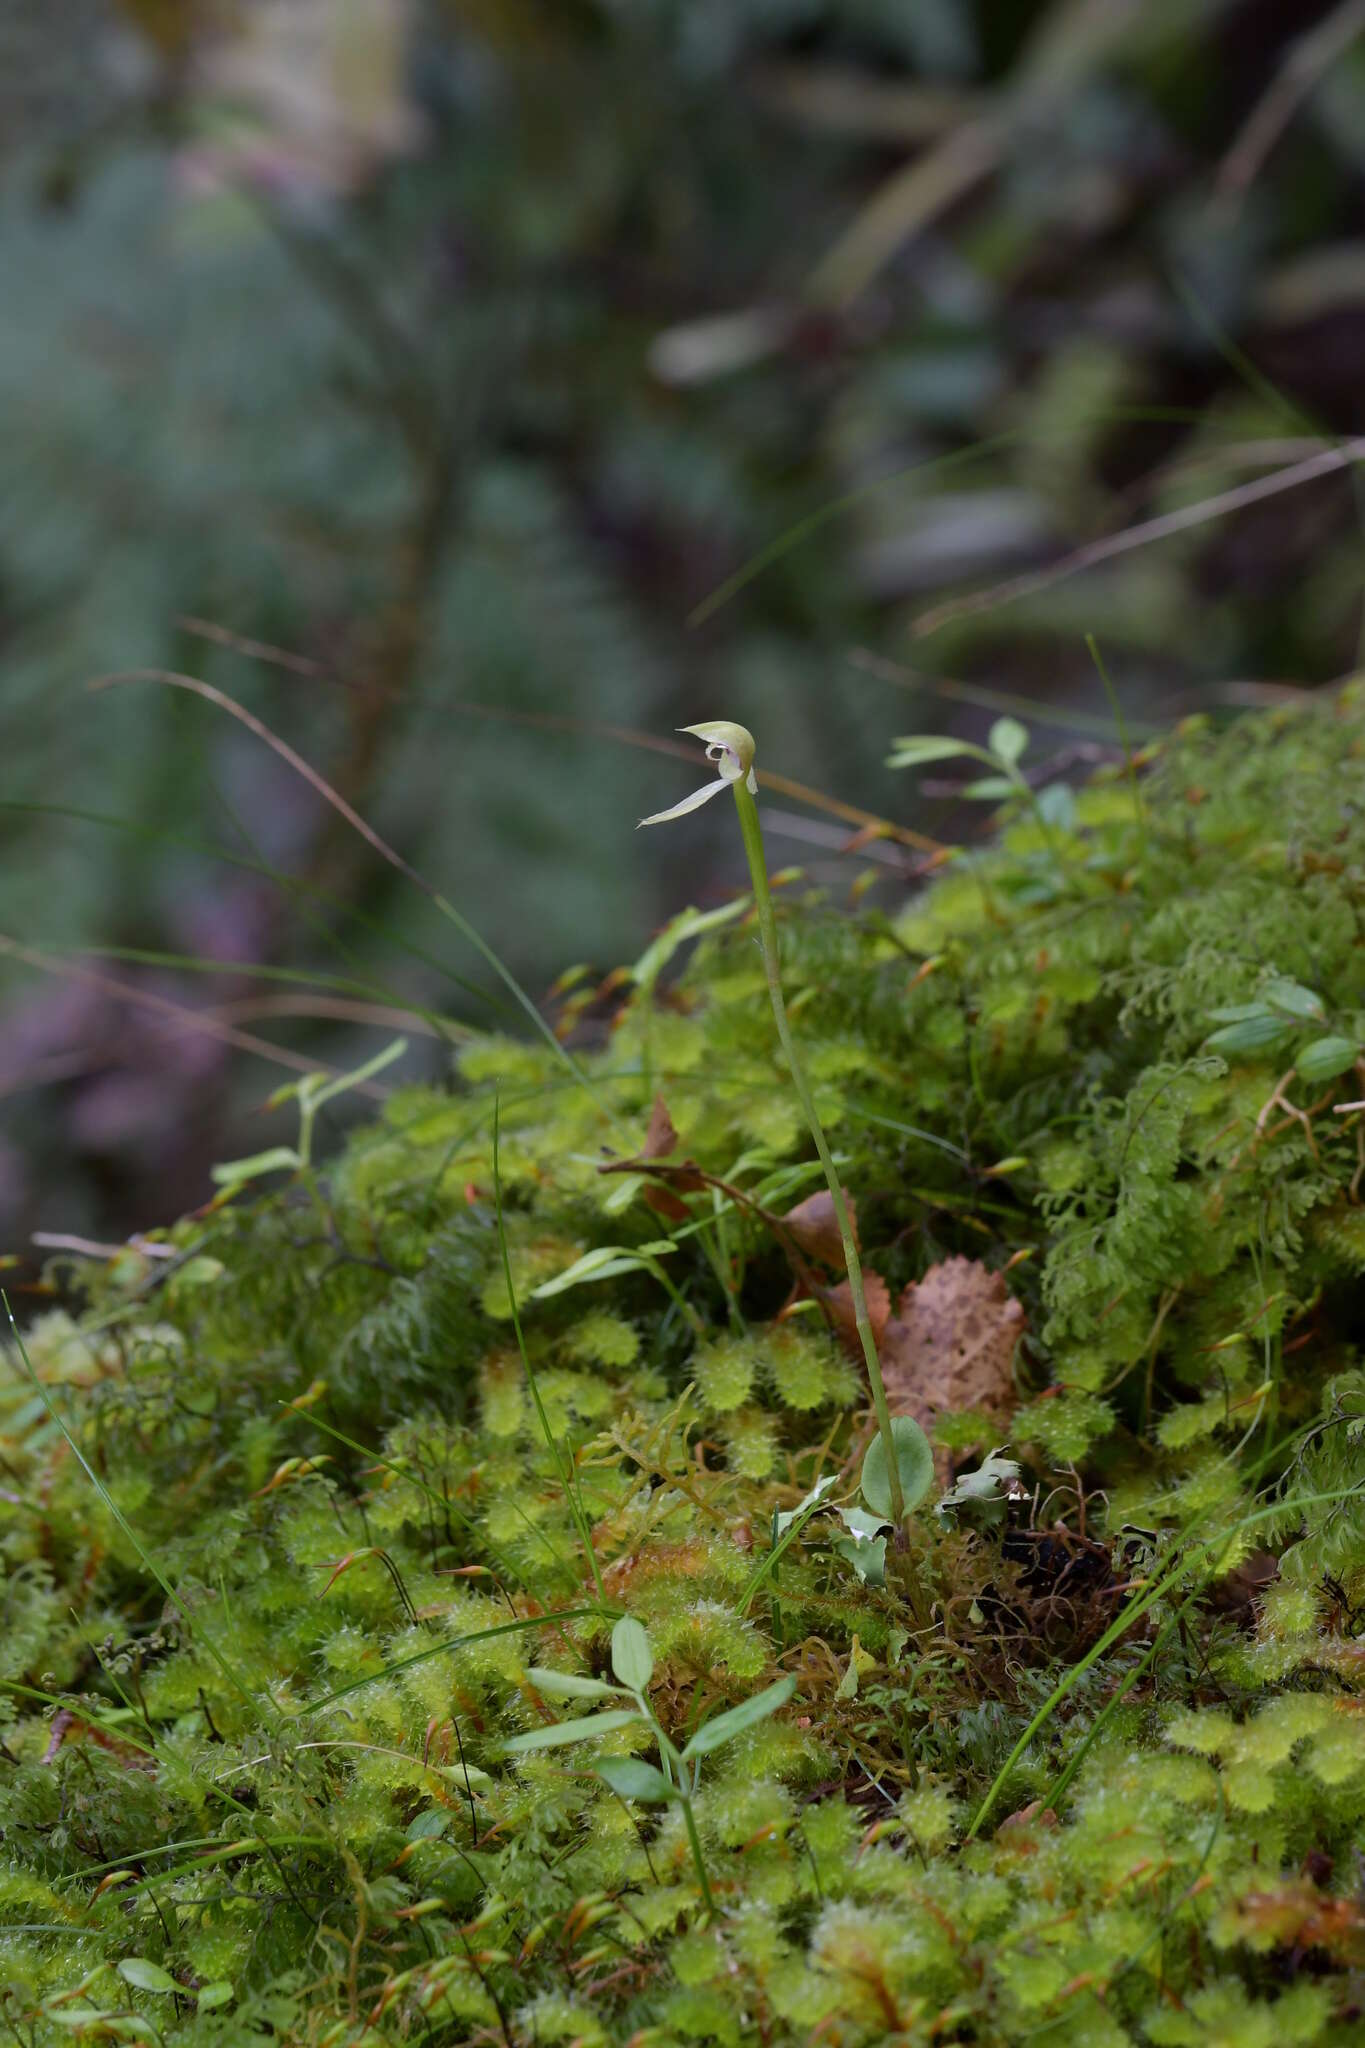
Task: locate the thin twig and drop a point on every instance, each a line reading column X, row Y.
column 195, row 1020
column 1325, row 463
column 1311, row 56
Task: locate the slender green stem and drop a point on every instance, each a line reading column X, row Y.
column 697, row 1857
column 767, row 930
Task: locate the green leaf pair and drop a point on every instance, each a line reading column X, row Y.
column 632, row 1660
column 1271, row 1023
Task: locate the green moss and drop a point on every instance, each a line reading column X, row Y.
column 277, row 1773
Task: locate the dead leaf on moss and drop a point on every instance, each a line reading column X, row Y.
column 658, row 1158
column 661, row 1139
column 814, row 1228
column 67, row 1726
column 1298, row 1915
column 837, row 1303
column 951, row 1344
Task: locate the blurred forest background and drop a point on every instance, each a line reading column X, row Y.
column 536, row 373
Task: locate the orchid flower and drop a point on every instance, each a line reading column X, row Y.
column 731, row 747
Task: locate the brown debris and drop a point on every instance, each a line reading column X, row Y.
column 951, row 1344
column 838, row 1306
column 67, row 1726
column 813, row 1226
column 657, row 1157
column 661, row 1139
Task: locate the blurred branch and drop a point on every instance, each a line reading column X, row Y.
column 1325, row 463
column 905, row 206
column 1031, row 708
column 384, row 1016
column 89, row 1248
column 1075, row 39
column 202, row 1021
column 1309, row 60
column 257, row 650
column 847, row 102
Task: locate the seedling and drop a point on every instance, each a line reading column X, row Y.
column 312, row 1092
column 673, row 1780
column 1053, row 806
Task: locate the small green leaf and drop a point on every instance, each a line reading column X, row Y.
column 861, row 1526
column 567, row 1685
column 216, row 1994
column 1294, row 1000
column 1327, row 1057
column 725, row 1727
column 426, row 1826
column 993, row 786
column 631, row 1657
column 604, row 1263
column 145, row 1976
column 979, row 1499
column 807, row 1506
column 1057, row 805
column 1253, row 1034
column 1235, row 1013
column 632, row 1778
column 338, row 1084
column 914, row 1461
column 233, row 1171
column 867, row 1557
column 563, row 1732
column 1008, row 740
column 918, row 749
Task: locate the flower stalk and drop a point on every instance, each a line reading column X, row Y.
column 732, row 749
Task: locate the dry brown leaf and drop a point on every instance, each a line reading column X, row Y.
column 665, row 1204
column 951, row 1346
column 661, row 1140
column 657, row 1157
column 838, row 1306
column 813, row 1227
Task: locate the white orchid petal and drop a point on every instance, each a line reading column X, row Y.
column 731, row 749
column 689, row 803
column 737, row 740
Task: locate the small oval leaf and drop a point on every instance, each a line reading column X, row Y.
column 1294, row 1000
column 1327, row 1057
column 920, row 748
column 631, row 1657
column 996, row 787
column 567, row 1685
column 1008, row 740
column 145, row 1976
column 914, row 1461
column 1253, row 1034
column 725, row 1727
column 582, row 1730
column 632, row 1778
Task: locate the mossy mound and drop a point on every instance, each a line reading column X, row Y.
column 291, row 1517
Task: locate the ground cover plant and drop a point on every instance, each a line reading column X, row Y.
column 451, row 1591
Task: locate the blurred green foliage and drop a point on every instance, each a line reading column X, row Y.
column 463, row 351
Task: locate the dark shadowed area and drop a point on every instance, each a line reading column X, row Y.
column 474, row 393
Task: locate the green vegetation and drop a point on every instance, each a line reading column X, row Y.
column 463, row 384
column 348, row 1496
